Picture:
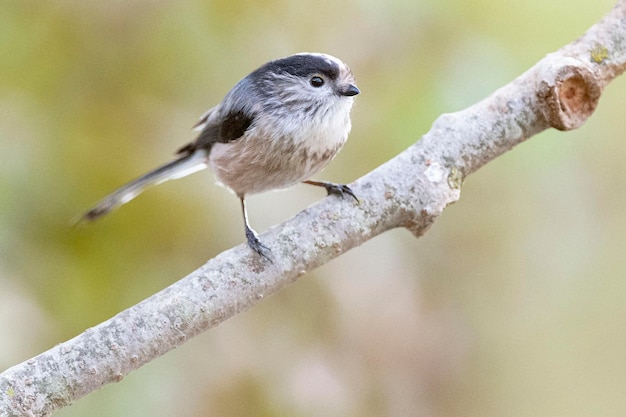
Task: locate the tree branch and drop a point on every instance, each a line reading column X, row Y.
column 411, row 191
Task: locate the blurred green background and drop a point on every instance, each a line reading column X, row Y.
column 512, row 304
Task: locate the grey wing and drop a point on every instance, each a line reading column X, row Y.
column 227, row 121
column 201, row 123
column 208, row 127
column 230, row 128
column 238, row 111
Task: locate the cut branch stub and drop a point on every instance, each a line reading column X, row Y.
column 569, row 95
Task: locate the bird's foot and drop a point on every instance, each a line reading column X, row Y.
column 255, row 244
column 336, row 189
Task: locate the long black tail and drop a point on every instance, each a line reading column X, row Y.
column 179, row 168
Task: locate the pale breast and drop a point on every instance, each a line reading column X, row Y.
column 260, row 162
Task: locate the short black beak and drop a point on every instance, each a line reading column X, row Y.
column 349, row 90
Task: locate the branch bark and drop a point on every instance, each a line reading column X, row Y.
column 411, row 191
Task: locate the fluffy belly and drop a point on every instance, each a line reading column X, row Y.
column 266, row 165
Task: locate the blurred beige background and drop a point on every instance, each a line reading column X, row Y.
column 511, row 305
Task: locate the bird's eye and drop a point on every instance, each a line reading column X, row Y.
column 317, row 81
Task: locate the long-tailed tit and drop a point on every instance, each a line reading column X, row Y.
column 278, row 126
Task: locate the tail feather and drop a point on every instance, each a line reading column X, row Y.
column 178, row 168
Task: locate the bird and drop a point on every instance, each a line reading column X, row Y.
column 278, row 126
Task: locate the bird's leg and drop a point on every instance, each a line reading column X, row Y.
column 333, row 188
column 253, row 240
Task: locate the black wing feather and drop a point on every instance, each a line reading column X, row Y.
column 232, row 127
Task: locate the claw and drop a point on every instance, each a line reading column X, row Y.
column 255, row 244
column 335, row 189
column 253, row 240
column 341, row 190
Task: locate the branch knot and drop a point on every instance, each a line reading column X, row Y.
column 569, row 95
